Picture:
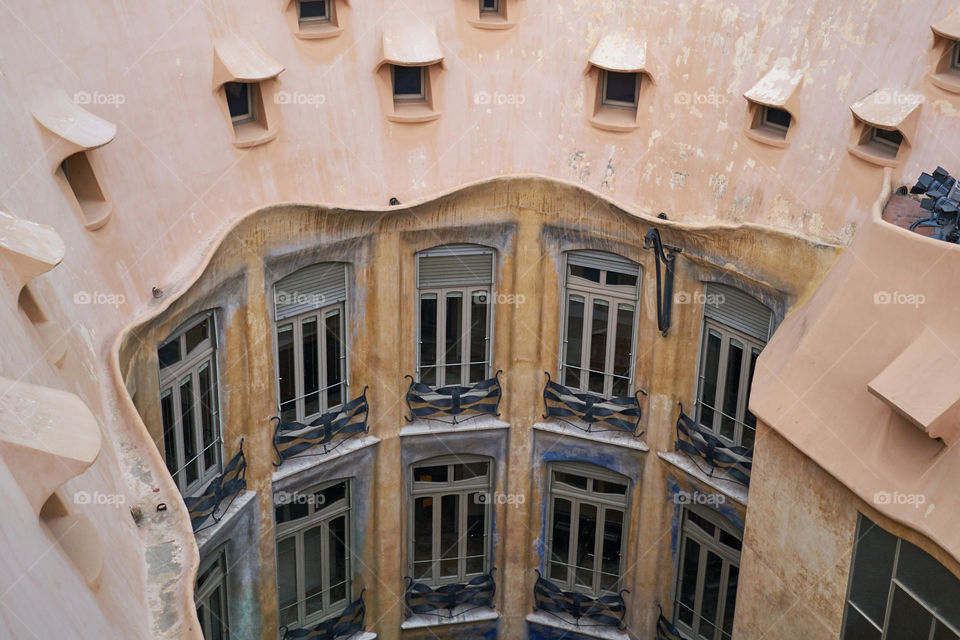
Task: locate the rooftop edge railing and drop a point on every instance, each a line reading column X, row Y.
column 293, row 438
column 349, row 622
column 437, row 403
column 420, row 598
column 225, row 486
column 603, row 611
column 577, row 408
column 699, row 444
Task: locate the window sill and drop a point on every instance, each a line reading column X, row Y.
column 569, row 625
column 294, row 466
column 614, row 119
column 318, row 32
column 251, row 134
column 763, row 137
column 492, row 22
column 461, row 615
column 865, row 153
column 238, row 505
column 605, row 437
column 946, row 81
column 96, row 214
column 733, row 490
column 433, row 427
column 412, row 113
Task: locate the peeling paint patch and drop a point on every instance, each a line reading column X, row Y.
column 579, row 166
column 678, row 179
column 718, row 182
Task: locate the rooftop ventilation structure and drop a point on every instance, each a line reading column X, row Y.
column 942, row 200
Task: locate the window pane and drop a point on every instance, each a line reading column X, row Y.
column 560, row 548
column 617, row 279
column 169, row 434
column 943, row 633
column 207, row 416
column 476, row 533
column 331, row 497
column 286, row 373
column 689, row 567
column 334, row 363
column 423, row 538
column 621, row 87
column 709, row 373
column 189, row 428
column 311, row 368
column 586, row 544
column 428, row 339
column 572, row 479
column 612, row 544
column 406, row 81
column 750, row 420
column 292, row 511
column 571, row 372
column 478, row 335
column 872, row 570
column 287, row 580
column 598, row 345
column 730, row 541
column 197, row 334
column 909, row 620
column 622, row 348
column 449, row 535
column 430, row 474
column 731, row 389
column 615, row 488
column 338, row 559
column 730, row 603
column 711, row 594
column 453, row 345
column 587, row 273
column 857, row 627
column 930, row 580
column 701, row 523
column 469, row 470
column 313, row 9
column 238, row 98
column 313, row 569
column 169, row 353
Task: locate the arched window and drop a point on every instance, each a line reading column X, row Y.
column 188, row 404
column 455, row 302
column 311, row 342
column 450, row 519
column 587, row 532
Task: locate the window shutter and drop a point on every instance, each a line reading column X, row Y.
column 454, row 265
column 603, row 260
column 737, row 310
column 310, row 288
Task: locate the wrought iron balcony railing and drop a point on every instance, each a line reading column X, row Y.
column 424, row 599
column 606, row 611
column 597, row 413
column 293, row 438
column 225, row 487
column 665, row 629
column 349, row 622
column 699, row 444
column 438, row 403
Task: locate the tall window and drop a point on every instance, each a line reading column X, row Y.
column 599, row 322
column 313, row 554
column 897, row 590
column 188, row 404
column 450, row 519
column 708, row 568
column 211, row 597
column 311, row 348
column 735, row 330
column 587, row 535
column 455, row 287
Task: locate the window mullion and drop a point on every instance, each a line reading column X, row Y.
column 462, row 537
column 574, row 543
column 322, row 355
column 587, row 342
column 298, row 386
column 598, row 548
column 325, row 566
column 721, row 381
column 437, row 533
column 698, row 594
column 611, row 346
column 301, row 577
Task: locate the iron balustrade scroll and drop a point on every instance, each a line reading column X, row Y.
column 349, row 622
column 293, row 438
column 576, row 409
column 701, row 444
column 665, row 629
column 424, row 599
column 436, row 403
column 603, row 611
column 226, row 486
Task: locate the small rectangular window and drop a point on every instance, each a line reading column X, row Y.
column 489, row 6
column 409, row 83
column 312, row 11
column 886, row 141
column 955, row 57
column 619, row 89
column 240, row 101
column 776, row 120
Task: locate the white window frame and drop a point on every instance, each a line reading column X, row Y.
column 328, row 17
column 251, row 114
column 886, row 146
column 436, row 491
column 602, row 502
column 730, row 558
column 215, row 581
column 317, row 516
column 319, row 316
column 171, row 379
column 409, row 97
column 744, row 384
column 768, row 124
column 613, row 295
column 620, row 104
